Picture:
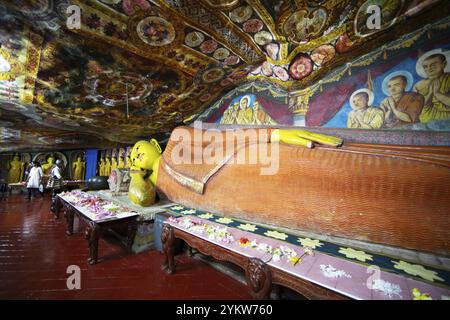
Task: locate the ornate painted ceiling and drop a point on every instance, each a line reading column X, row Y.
column 122, row 70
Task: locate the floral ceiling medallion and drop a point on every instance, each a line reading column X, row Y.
column 303, row 25
column 156, row 31
column 152, row 29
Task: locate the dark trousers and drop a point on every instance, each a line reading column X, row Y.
column 33, row 191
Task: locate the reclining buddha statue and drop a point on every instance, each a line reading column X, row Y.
column 387, row 194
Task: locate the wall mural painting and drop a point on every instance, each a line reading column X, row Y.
column 404, row 85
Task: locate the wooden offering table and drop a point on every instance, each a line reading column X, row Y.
column 307, row 268
column 106, row 216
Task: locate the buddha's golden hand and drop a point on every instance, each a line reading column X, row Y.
column 303, row 138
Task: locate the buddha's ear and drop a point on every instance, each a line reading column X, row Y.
column 156, row 144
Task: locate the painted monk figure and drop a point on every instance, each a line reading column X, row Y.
column 435, row 87
column 260, row 116
column 401, row 107
column 363, row 116
column 245, row 113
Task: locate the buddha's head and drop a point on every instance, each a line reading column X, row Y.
column 16, row 158
column 144, row 154
column 51, row 160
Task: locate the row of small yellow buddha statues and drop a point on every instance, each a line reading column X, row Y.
column 108, row 164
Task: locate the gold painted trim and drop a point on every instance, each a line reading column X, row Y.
column 184, row 180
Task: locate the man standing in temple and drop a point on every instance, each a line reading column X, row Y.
column 34, row 180
column 400, row 107
column 435, row 87
column 363, row 116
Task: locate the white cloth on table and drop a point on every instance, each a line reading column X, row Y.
column 34, row 177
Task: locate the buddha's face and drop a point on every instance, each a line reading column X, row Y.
column 144, row 154
column 51, row 160
column 16, row 158
column 79, row 159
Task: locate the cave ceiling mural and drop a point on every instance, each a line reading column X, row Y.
column 131, row 69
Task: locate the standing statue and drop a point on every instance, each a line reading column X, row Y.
column 113, row 163
column 78, row 169
column 121, row 164
column 107, row 171
column 16, row 169
column 128, row 162
column 47, row 167
column 101, row 167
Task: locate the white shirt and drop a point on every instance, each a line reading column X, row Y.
column 56, row 172
column 34, row 177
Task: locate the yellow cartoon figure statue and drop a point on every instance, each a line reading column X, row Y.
column 46, row 167
column 145, row 157
column 78, row 169
column 16, row 168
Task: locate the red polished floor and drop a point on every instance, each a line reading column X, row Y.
column 35, row 253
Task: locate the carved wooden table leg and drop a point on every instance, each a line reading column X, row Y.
column 132, row 228
column 259, row 278
column 92, row 234
column 68, row 214
column 55, row 207
column 168, row 242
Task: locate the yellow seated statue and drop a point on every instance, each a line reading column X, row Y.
column 146, row 156
column 46, row 167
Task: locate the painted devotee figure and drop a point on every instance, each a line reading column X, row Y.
column 363, row 116
column 260, row 116
column 400, row 107
column 435, row 87
column 245, row 114
column 46, row 167
column 16, row 169
column 78, row 169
